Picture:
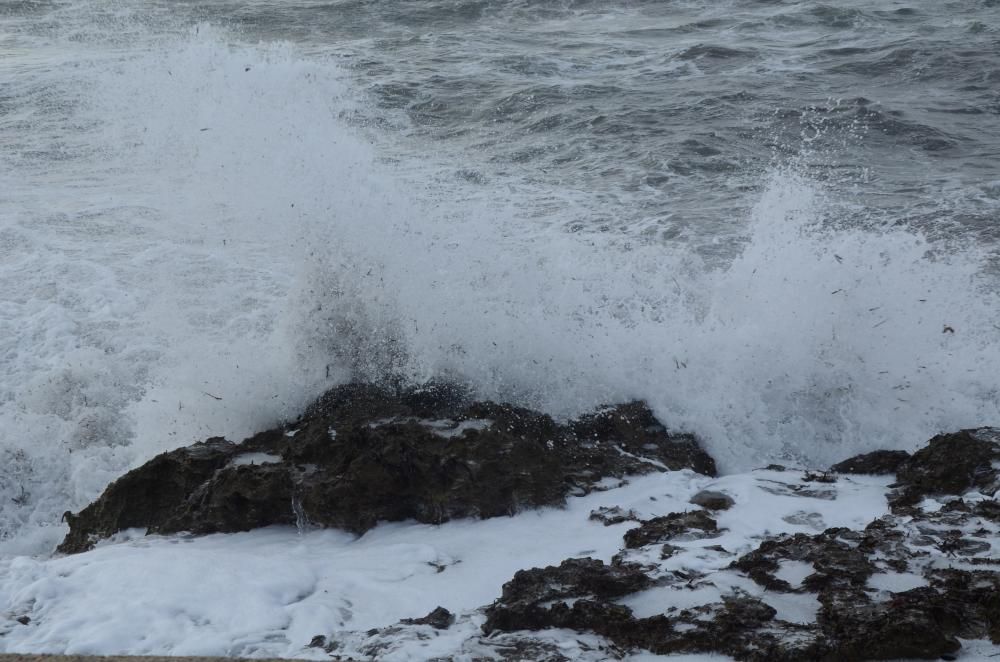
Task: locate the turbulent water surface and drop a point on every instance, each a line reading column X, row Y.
column 775, row 221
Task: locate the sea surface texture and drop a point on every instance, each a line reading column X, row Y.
column 776, row 222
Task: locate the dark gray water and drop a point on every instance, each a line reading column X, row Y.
column 673, row 109
column 659, row 114
column 759, row 216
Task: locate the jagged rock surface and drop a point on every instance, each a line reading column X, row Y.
column 363, row 454
column 948, row 549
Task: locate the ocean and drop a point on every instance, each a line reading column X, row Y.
column 775, row 221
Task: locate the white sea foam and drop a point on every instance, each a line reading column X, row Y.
column 209, row 238
column 268, row 593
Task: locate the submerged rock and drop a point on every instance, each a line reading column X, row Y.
column 362, row 454
column 439, row 619
column 712, row 500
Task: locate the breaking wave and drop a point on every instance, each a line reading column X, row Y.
column 218, row 237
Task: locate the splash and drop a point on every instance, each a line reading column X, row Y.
column 222, row 240
column 811, row 345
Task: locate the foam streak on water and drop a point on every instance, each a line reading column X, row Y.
column 199, row 232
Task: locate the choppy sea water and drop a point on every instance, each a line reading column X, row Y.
column 777, row 222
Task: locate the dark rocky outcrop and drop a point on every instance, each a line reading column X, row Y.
column 580, row 594
column 950, row 464
column 908, row 626
column 913, row 584
column 575, row 594
column 853, row 624
column 363, row 454
column 834, row 555
column 876, row 463
column 855, row 620
column 148, row 495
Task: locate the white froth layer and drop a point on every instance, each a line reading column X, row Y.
column 267, row 593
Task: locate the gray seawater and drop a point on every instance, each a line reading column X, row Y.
column 664, row 113
column 761, row 216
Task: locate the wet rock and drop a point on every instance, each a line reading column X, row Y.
column 818, row 477
column 439, row 619
column 914, row 624
column 634, row 429
column 572, row 594
column 834, row 555
column 887, row 544
column 857, row 619
column 320, row 641
column 610, row 515
column 988, row 510
column 712, row 500
column 691, row 525
column 669, row 550
column 147, row 496
column 237, row 498
column 362, row 454
column 875, row 463
column 956, row 542
column 567, row 597
column 780, row 488
column 742, row 627
column 518, row 649
column 950, row 464
column 972, row 594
